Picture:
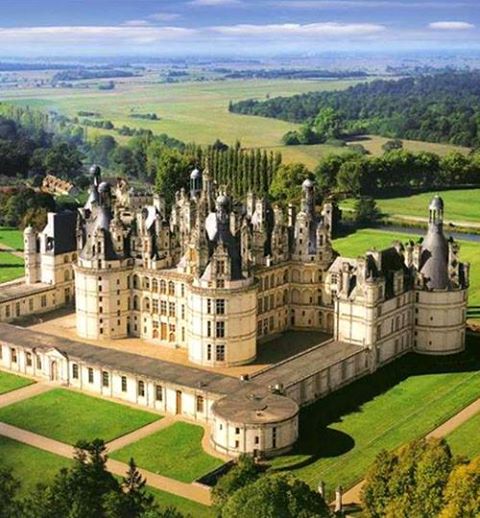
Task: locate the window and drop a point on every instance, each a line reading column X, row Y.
column 163, row 307
column 274, row 437
column 209, row 352
column 171, row 309
column 90, row 375
column 75, row 371
column 209, row 328
column 171, row 288
column 183, row 312
column 163, row 287
column 220, row 329
column 200, row 403
column 30, row 304
column 105, row 379
column 43, row 301
column 124, row 383
column 7, row 311
column 39, row 362
column 209, row 306
column 158, row 392
column 220, row 267
column 155, row 306
column 220, row 306
column 220, row 283
column 29, row 359
column 237, row 444
column 141, row 388
column 13, row 353
column 171, row 332
column 220, row 353
column 257, row 439
column 154, row 285
column 237, row 430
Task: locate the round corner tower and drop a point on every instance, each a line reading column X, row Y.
column 440, row 291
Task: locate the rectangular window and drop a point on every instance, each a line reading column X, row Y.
column 29, row 359
column 158, row 392
column 124, row 383
column 220, row 267
column 220, row 283
column 39, row 363
column 237, row 444
column 200, row 404
column 209, row 328
column 220, row 329
column 209, row 352
column 209, row 306
column 90, row 375
column 237, row 430
column 220, row 353
column 171, row 309
column 183, row 312
column 30, row 304
column 75, row 371
column 163, row 307
column 105, row 379
column 7, row 311
column 220, row 306
column 13, row 353
column 274, row 437
column 141, row 388
column 155, row 305
column 43, row 301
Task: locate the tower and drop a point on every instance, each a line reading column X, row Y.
column 31, row 255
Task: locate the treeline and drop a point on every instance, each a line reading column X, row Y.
column 396, row 170
column 79, row 74
column 434, row 108
column 283, row 73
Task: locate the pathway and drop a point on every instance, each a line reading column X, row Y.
column 196, row 492
column 13, row 251
column 24, row 393
column 136, row 435
column 352, row 496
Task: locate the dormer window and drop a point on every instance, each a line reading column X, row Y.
column 221, row 267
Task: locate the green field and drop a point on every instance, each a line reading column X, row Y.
column 461, row 206
column 362, row 240
column 70, row 416
column 465, row 440
column 28, row 464
column 342, row 434
column 11, row 267
column 175, row 451
column 12, row 238
column 198, row 112
column 9, row 382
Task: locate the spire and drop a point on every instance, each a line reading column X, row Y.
column 435, row 219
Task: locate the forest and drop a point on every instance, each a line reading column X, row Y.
column 434, row 108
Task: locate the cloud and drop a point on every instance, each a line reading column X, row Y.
column 214, row 3
column 164, row 17
column 136, row 23
column 451, row 26
column 330, row 29
column 361, row 4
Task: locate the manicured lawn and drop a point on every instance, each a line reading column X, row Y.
column 11, row 267
column 9, row 382
column 465, row 440
column 70, row 416
column 342, row 434
column 362, row 240
column 30, row 465
column 175, row 451
column 187, row 507
column 11, row 237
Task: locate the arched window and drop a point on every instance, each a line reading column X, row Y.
column 136, row 303
column 146, row 304
column 154, row 285
column 66, row 258
column 146, row 283
column 171, row 288
column 163, row 286
column 135, row 282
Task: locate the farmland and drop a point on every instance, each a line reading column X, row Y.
column 198, row 112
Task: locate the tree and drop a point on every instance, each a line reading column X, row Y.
column 275, row 496
column 328, row 123
column 244, row 472
column 287, row 182
column 326, row 172
column 132, row 499
column 351, row 177
column 102, row 148
column 410, row 482
column 390, row 145
column 9, row 505
column 366, row 211
column 462, row 494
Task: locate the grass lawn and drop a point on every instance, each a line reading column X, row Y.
column 187, row 507
column 461, row 205
column 465, row 440
column 359, row 242
column 175, row 452
column 11, row 237
column 342, row 434
column 70, row 416
column 11, row 267
column 9, row 382
column 30, row 465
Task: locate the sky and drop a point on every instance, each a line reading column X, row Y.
column 54, row 28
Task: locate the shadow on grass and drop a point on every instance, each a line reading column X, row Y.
column 319, row 440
